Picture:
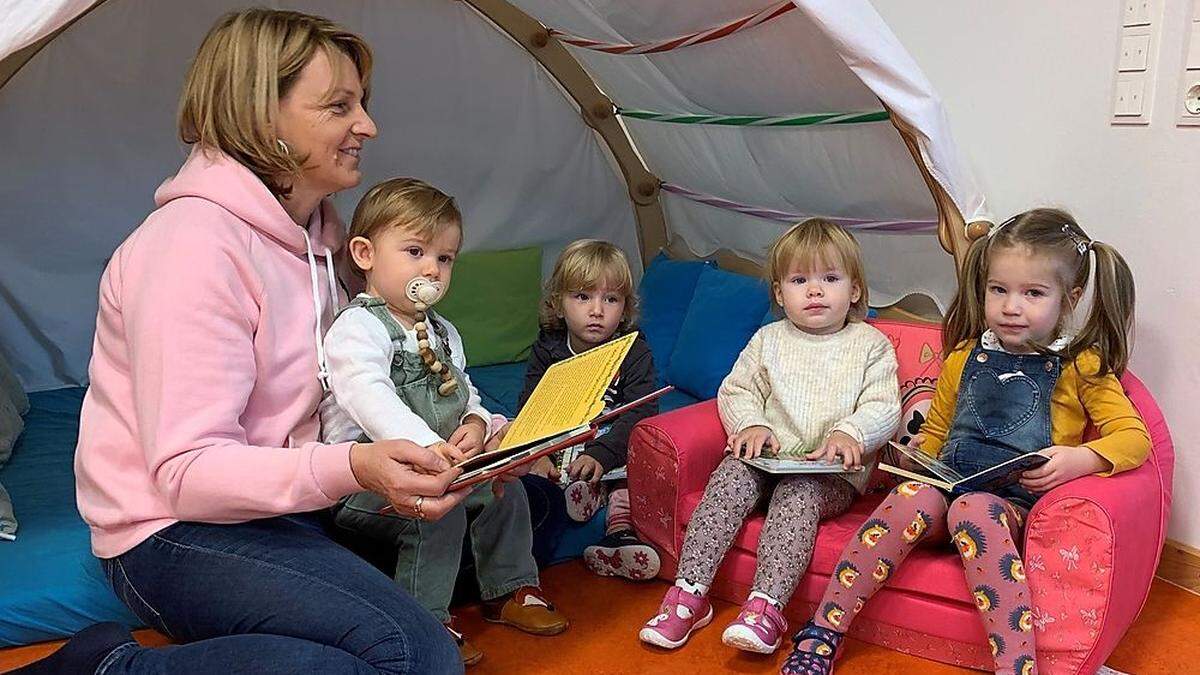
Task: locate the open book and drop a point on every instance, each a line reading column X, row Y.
column 940, row 475
column 563, row 411
column 781, row 465
column 490, row 464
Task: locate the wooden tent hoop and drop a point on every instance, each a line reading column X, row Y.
column 597, row 111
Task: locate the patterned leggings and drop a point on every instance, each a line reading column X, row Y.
column 798, row 503
column 984, row 529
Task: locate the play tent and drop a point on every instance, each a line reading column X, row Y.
column 702, row 126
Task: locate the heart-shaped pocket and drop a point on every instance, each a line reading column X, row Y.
column 1001, row 406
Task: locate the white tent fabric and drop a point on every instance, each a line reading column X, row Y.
column 24, row 22
column 87, row 128
column 830, row 56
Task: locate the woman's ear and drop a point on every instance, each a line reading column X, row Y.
column 362, row 252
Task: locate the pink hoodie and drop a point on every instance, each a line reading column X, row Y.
column 204, row 388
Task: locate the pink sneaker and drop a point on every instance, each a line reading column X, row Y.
column 583, row 500
column 680, row 615
column 758, row 628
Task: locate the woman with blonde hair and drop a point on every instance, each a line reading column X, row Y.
column 198, row 464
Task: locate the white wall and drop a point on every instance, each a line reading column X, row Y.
column 1028, row 88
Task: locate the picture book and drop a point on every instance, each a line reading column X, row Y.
column 939, row 475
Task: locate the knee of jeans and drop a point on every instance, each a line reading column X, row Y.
column 411, row 645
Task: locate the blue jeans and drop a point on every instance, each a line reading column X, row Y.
column 269, row 596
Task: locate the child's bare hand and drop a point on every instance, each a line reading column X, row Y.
column 914, row 444
column 503, row 479
column 493, row 443
column 545, row 468
column 468, row 437
column 450, row 452
column 585, row 468
column 1066, row 463
column 839, row 444
column 752, row 441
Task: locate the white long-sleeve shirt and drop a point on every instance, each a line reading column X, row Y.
column 362, row 397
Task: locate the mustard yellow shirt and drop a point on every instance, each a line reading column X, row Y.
column 1078, row 397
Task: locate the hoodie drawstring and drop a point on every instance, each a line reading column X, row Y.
column 322, row 366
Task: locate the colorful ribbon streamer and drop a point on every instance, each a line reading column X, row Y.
column 700, row 37
column 758, row 120
column 788, row 217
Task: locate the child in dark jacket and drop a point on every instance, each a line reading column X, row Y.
column 589, row 300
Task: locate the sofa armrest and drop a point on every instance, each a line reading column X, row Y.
column 671, row 456
column 1091, row 549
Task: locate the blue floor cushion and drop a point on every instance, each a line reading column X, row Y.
column 50, row 585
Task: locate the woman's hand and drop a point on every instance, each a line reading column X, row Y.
column 468, row 437
column 1066, row 463
column 751, row 441
column 839, row 444
column 585, row 468
column 403, row 472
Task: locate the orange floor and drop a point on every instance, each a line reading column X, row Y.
column 605, row 614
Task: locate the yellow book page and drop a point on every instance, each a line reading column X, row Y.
column 570, row 393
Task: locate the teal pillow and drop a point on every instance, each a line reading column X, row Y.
column 666, row 292
column 493, row 302
column 726, row 310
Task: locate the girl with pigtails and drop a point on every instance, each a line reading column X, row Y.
column 1018, row 377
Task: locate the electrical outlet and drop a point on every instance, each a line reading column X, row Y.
column 1189, row 99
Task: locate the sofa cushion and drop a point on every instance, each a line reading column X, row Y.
column 493, row 302
column 726, row 310
column 666, row 291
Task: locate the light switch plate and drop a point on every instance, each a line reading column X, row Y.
column 1135, row 53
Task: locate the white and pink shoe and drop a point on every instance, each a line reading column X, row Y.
column 680, row 615
column 758, row 628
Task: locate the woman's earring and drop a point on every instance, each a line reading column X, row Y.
column 283, row 147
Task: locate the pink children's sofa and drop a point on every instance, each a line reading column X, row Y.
column 1091, row 546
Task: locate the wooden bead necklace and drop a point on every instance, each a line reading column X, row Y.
column 424, row 293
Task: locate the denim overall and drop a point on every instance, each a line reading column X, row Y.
column 430, row 552
column 1003, row 411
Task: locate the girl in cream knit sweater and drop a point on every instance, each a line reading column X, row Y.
column 817, row 385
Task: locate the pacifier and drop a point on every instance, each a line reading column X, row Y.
column 423, row 293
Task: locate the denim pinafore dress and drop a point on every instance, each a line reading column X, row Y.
column 416, row 386
column 1003, row 411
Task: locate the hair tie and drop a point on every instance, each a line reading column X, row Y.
column 1082, row 245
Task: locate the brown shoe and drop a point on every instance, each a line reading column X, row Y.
column 470, row 653
column 527, row 610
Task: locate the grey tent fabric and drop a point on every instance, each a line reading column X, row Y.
column 13, row 404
